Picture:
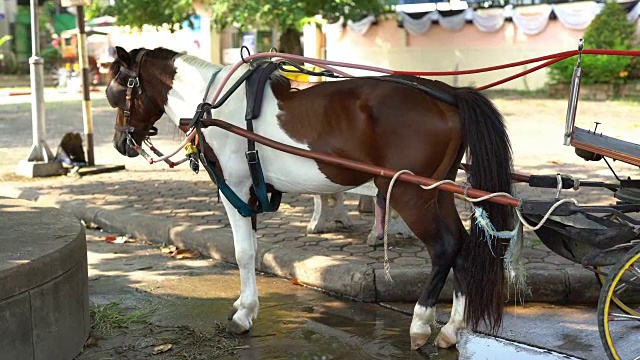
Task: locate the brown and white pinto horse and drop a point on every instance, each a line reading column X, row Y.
column 364, row 119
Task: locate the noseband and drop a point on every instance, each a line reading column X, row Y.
column 132, row 80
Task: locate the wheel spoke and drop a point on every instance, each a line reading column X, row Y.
column 623, row 316
column 634, row 270
column 620, row 288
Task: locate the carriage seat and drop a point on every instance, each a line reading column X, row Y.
column 593, row 146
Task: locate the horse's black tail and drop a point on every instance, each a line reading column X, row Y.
column 489, row 153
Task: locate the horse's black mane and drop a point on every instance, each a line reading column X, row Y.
column 159, row 53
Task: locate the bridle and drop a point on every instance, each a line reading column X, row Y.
column 132, row 80
column 131, row 77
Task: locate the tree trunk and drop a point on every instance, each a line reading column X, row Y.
column 290, row 42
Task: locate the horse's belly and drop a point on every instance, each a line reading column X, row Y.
column 290, row 173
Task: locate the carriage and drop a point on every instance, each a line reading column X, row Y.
column 603, row 239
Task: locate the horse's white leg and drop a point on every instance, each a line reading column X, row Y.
column 450, row 333
column 244, row 242
column 420, row 329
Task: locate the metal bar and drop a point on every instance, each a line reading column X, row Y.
column 83, row 60
column 40, row 152
column 572, row 107
column 350, row 164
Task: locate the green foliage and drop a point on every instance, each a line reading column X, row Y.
column 287, row 16
column 51, row 56
column 246, row 14
column 597, row 69
column 609, row 30
column 289, row 13
column 349, row 9
column 137, row 13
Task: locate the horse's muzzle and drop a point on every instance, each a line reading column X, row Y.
column 122, row 145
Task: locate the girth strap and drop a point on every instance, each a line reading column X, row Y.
column 255, row 94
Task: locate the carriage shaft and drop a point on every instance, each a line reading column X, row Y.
column 351, row 164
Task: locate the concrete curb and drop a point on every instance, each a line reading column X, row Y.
column 44, row 297
column 354, row 279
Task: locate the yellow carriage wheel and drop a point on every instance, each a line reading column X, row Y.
column 623, row 283
column 622, row 306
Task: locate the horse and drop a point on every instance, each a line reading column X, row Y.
column 397, row 122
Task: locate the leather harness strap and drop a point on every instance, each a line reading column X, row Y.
column 255, row 94
column 256, row 79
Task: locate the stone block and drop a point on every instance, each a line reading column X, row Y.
column 39, row 169
column 15, row 329
column 548, row 285
column 44, row 297
column 347, row 277
column 59, row 316
column 584, row 288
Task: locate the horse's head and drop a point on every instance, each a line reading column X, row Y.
column 139, row 83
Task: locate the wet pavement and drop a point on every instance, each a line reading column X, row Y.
column 294, row 322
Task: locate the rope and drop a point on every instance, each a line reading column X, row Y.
column 522, row 73
column 518, row 212
column 387, row 208
column 546, row 216
column 489, row 68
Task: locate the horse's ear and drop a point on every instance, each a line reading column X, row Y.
column 123, row 55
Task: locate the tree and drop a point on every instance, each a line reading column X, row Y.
column 286, row 15
column 137, row 13
column 290, row 15
column 610, row 29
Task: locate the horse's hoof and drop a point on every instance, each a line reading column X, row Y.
column 374, row 240
column 237, row 329
column 417, row 340
column 446, row 339
column 231, row 314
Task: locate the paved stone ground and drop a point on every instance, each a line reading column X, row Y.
column 535, row 127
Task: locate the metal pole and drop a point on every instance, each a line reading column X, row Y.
column 39, row 150
column 83, row 59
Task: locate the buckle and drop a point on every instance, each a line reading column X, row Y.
column 133, row 82
column 252, row 156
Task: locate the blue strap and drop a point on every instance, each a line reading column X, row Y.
column 243, row 208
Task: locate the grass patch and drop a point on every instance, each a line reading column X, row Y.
column 118, row 334
column 535, row 242
column 108, row 319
